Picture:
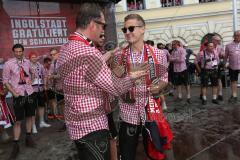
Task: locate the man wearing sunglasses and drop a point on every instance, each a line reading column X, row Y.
column 86, row 80
column 132, row 105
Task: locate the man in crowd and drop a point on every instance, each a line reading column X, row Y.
column 38, row 78
column 232, row 55
column 207, row 63
column 108, row 56
column 132, row 105
column 220, row 52
column 86, row 80
column 55, row 85
column 160, row 46
column 178, row 58
column 17, row 79
column 190, row 65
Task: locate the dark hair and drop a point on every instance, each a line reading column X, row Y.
column 207, row 43
column 53, row 49
column 87, row 13
column 46, row 60
column 150, row 42
column 176, row 42
column 17, row 46
column 235, row 32
column 135, row 16
column 159, row 45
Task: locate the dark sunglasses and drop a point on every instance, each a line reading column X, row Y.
column 130, row 28
column 101, row 23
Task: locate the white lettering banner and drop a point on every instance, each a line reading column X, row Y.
column 34, row 32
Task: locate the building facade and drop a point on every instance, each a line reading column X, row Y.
column 186, row 20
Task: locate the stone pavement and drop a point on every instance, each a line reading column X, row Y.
column 211, row 132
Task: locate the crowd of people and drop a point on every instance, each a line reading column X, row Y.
column 138, row 5
column 84, row 81
column 26, row 88
column 210, row 65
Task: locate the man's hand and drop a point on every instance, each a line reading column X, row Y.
column 15, row 94
column 142, row 70
column 2, row 93
column 226, row 65
column 154, row 89
column 29, row 82
column 53, row 76
column 119, row 71
column 110, row 54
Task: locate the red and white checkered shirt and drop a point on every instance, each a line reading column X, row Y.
column 86, row 80
column 232, row 54
column 135, row 113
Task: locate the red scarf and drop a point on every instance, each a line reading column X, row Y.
column 154, row 71
column 22, row 73
column 79, row 37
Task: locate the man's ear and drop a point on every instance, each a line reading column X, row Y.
column 143, row 30
column 91, row 25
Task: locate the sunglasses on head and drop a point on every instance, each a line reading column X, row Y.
column 101, row 23
column 130, row 28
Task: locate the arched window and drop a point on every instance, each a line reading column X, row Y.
column 207, row 38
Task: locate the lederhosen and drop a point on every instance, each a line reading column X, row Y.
column 207, row 74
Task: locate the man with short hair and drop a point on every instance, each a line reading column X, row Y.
column 17, row 79
column 134, row 103
column 39, row 74
column 220, row 52
column 55, row 85
column 178, row 58
column 86, row 80
column 232, row 55
column 207, row 63
column 107, row 56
